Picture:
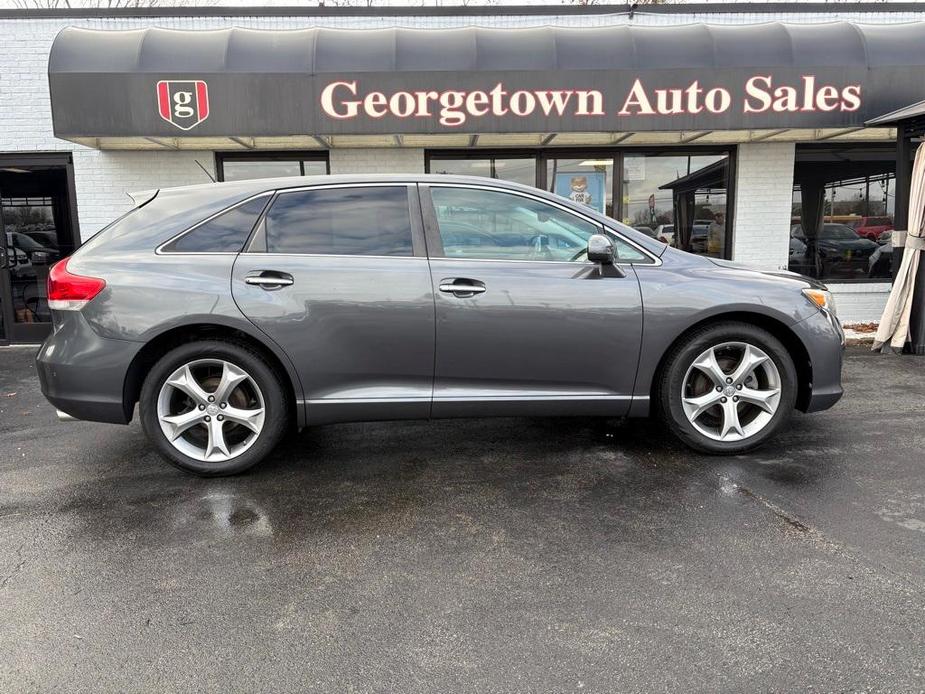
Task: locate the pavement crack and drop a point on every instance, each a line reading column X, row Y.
column 20, row 562
column 790, row 520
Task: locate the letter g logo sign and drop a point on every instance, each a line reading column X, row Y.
column 183, row 103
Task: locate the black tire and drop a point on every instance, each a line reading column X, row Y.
column 276, row 408
column 682, row 355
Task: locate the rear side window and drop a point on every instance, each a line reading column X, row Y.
column 225, row 233
column 372, row 220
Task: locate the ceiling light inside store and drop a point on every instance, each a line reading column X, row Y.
column 597, row 162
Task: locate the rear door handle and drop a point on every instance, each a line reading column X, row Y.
column 461, row 286
column 269, row 279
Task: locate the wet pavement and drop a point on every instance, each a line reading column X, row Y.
column 496, row 555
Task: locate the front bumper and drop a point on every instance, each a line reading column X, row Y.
column 83, row 374
column 824, row 340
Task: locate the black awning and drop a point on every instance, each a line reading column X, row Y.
column 240, row 82
column 710, row 176
column 906, row 113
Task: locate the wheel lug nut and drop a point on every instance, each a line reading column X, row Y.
column 225, row 404
column 739, row 387
column 719, row 389
column 722, row 399
column 735, row 398
column 728, row 380
column 220, row 418
column 202, row 407
column 208, row 418
column 211, row 398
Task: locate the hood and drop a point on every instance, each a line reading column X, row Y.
column 857, row 244
column 784, row 274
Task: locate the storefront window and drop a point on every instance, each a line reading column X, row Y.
column 842, row 212
column 237, row 167
column 587, row 180
column 678, row 198
column 515, row 169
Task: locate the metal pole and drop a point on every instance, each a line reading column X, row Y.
column 903, row 183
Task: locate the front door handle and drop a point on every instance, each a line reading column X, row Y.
column 461, row 286
column 269, row 279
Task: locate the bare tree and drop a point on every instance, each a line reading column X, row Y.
column 107, row 4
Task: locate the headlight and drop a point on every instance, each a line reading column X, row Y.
column 822, row 299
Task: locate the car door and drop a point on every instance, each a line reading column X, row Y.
column 525, row 324
column 338, row 276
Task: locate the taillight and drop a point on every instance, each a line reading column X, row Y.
column 70, row 292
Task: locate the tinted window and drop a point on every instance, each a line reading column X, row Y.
column 494, row 225
column 341, row 221
column 226, row 233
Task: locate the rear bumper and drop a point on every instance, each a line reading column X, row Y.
column 824, row 340
column 83, row 374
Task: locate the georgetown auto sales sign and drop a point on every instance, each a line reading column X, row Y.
column 348, row 106
column 348, row 100
column 402, row 103
column 394, row 82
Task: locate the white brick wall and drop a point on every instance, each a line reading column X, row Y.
column 764, row 181
column 860, row 302
column 384, row 160
column 104, row 178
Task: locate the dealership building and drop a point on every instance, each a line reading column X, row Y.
column 777, row 135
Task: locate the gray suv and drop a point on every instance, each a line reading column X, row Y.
column 231, row 313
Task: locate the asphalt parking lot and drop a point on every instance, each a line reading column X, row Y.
column 496, row 555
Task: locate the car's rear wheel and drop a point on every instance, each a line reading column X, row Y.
column 727, row 388
column 213, row 407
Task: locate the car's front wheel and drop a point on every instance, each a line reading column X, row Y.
column 213, row 407
column 727, row 388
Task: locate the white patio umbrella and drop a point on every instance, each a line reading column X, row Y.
column 894, row 324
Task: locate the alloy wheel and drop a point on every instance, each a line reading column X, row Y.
column 211, row 410
column 731, row 391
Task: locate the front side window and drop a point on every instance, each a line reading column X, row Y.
column 494, row 225
column 373, row 220
column 225, row 233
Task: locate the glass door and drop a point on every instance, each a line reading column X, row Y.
column 36, row 233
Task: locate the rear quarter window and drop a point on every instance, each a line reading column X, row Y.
column 224, row 233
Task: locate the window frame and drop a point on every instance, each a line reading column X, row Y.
column 435, row 241
column 271, row 155
column 258, row 243
column 163, row 250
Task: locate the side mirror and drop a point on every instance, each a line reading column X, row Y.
column 600, row 249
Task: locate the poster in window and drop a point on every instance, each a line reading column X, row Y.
column 585, row 187
column 634, row 168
